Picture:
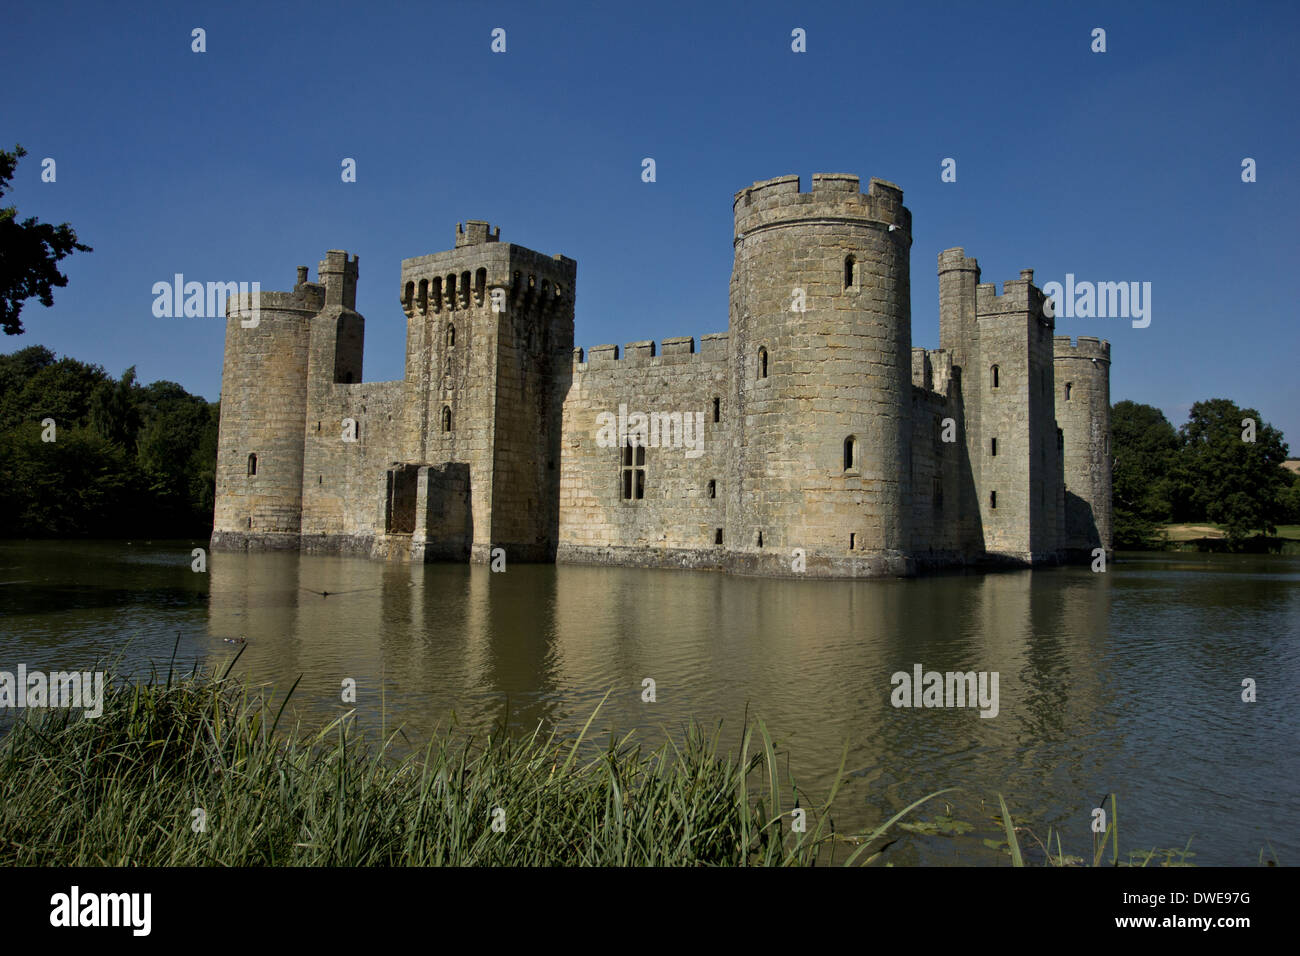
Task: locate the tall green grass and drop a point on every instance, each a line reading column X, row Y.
column 133, row 786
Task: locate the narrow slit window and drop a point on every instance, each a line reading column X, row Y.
column 762, row 362
column 252, row 465
column 993, row 499
column 717, row 409
column 850, row 272
column 717, row 536
column 996, row 377
column 993, row 447
column 853, row 541
column 850, row 453
column 446, row 418
column 713, row 489
column 1068, row 387
column 451, row 335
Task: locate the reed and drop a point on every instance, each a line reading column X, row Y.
column 198, row 771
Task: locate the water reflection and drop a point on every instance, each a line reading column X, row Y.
column 1127, row 681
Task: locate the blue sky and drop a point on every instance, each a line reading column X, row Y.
column 225, row 165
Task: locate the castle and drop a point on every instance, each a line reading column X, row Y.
column 811, row 437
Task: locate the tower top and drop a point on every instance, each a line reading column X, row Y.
column 338, row 272
column 472, row 232
column 835, row 197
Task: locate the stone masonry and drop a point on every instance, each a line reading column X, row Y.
column 810, row 438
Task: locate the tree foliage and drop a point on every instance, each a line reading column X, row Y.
column 127, row 459
column 1210, row 470
column 29, row 254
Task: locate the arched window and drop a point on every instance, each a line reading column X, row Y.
column 409, row 295
column 450, row 289
column 1068, row 386
column 762, row 362
column 850, row 272
column 717, row 409
column 994, row 372
column 423, row 299
column 451, row 335
column 850, row 453
column 252, row 465
column 713, row 489
column 446, row 418
column 464, row 288
column 437, row 294
column 480, row 284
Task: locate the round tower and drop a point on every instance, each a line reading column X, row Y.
column 263, row 417
column 820, row 350
column 1083, row 415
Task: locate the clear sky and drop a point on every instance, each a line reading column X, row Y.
column 225, row 165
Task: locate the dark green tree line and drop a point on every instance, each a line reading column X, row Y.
column 1217, row 468
column 126, row 459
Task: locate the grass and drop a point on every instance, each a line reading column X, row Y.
column 197, row 771
column 1208, row 536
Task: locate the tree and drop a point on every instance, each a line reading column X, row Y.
column 1225, row 477
column 60, row 390
column 1145, row 447
column 29, row 252
column 113, row 410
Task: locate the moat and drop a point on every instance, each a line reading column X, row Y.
column 1125, row 682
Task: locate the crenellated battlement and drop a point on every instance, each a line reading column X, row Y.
column 835, row 197
column 1018, row 296
column 462, row 278
column 670, row 351
column 1090, row 347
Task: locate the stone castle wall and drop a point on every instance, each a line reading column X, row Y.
column 677, row 520
column 820, row 445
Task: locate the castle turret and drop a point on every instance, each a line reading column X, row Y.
column 1083, row 415
column 263, row 414
column 821, row 366
column 490, row 352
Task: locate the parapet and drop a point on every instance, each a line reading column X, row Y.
column 673, row 351
column 834, row 196
column 639, row 351
column 1018, row 296
column 956, row 260
column 1089, row 347
column 475, row 231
